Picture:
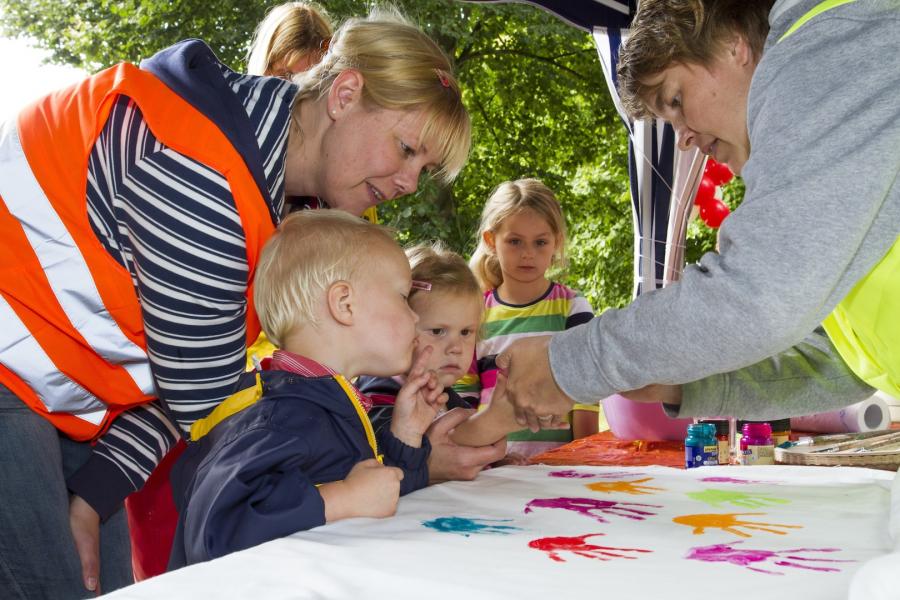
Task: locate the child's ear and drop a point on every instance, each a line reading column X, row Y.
column 488, row 237
column 340, row 302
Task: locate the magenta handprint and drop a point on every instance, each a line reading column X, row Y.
column 591, row 507
column 745, row 557
column 573, row 474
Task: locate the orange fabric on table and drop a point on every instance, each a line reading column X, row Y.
column 604, row 449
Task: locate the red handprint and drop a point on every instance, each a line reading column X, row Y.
column 577, row 545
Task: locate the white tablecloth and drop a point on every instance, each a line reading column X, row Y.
column 587, row 532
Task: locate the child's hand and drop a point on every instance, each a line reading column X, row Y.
column 369, row 490
column 513, row 458
column 418, row 403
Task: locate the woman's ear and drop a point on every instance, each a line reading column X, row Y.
column 340, row 302
column 741, row 53
column 346, row 90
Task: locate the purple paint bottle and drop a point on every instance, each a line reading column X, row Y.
column 757, row 447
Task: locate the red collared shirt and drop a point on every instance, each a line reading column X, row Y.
column 282, row 360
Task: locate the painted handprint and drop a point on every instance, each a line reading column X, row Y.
column 591, row 507
column 553, row 546
column 617, row 474
column 467, row 527
column 624, row 487
column 733, row 480
column 569, row 474
column 730, row 523
column 573, row 474
column 745, row 557
column 717, row 498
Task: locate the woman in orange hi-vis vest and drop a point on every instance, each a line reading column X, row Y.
column 133, row 206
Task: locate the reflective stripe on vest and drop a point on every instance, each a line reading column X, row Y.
column 72, row 343
column 865, row 326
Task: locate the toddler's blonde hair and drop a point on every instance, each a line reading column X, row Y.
column 311, row 250
column 442, row 268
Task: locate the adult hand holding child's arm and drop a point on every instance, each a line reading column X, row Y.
column 538, row 402
column 498, row 420
column 369, row 490
column 450, row 461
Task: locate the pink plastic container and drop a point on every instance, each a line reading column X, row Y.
column 641, row 421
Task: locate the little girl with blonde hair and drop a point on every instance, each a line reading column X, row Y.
column 522, row 235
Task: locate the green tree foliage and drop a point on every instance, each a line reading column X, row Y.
column 533, row 85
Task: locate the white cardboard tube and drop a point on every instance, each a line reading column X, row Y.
column 868, row 415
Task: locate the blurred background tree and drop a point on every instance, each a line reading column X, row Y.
column 533, row 85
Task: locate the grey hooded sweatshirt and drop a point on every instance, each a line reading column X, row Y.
column 822, row 207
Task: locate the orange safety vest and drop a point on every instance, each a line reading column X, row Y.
column 72, row 343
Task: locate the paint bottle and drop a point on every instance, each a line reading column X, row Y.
column 700, row 447
column 781, row 431
column 757, row 447
column 723, row 440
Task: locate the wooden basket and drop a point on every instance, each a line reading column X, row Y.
column 872, row 449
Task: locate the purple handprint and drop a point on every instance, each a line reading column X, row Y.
column 746, row 557
column 590, row 507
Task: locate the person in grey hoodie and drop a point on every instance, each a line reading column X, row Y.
column 800, row 98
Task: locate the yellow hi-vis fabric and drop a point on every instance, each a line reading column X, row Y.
column 865, row 326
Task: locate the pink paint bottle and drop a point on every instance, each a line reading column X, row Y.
column 757, row 446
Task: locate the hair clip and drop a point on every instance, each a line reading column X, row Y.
column 326, row 42
column 443, row 78
column 421, row 285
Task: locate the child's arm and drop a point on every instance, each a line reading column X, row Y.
column 418, row 402
column 493, row 423
column 369, row 490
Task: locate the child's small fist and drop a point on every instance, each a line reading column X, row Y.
column 376, row 488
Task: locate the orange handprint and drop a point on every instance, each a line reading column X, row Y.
column 625, row 487
column 729, row 522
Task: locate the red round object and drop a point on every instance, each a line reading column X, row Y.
column 717, row 172
column 706, row 193
column 714, row 213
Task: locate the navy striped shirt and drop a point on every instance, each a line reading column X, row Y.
column 173, row 224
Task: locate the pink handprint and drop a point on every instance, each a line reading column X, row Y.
column 589, row 507
column 745, row 557
column 573, row 474
column 577, row 545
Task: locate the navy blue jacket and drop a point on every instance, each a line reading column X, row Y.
column 252, row 478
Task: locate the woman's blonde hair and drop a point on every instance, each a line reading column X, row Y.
column 443, row 269
column 402, row 69
column 289, row 32
column 669, row 32
column 508, row 199
column 311, row 250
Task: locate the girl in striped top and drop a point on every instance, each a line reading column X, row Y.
column 522, row 235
